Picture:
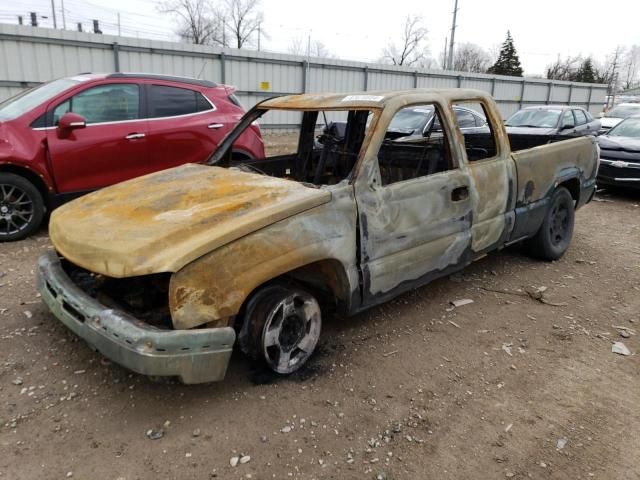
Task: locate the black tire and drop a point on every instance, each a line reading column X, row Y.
column 554, row 236
column 281, row 327
column 21, row 207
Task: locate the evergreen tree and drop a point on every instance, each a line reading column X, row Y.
column 586, row 73
column 508, row 62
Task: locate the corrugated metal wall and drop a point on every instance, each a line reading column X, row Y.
column 29, row 56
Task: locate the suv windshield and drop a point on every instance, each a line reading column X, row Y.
column 624, row 111
column 534, row 118
column 628, row 128
column 28, row 100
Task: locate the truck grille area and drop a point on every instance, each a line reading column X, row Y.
column 145, row 297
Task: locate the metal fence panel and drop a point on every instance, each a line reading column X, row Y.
column 29, row 56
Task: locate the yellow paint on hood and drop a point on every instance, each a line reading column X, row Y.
column 161, row 222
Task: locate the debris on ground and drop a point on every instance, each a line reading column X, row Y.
column 535, row 293
column 233, row 461
column 562, row 442
column 620, row 348
column 461, row 302
column 155, row 434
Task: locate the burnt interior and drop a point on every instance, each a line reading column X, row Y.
column 144, row 297
column 320, row 159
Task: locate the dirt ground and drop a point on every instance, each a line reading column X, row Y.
column 505, row 387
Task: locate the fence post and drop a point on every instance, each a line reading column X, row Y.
column 589, row 99
column 366, row 78
column 223, row 72
column 570, row 94
column 459, row 81
column 549, row 91
column 524, row 84
column 493, row 87
column 415, row 79
column 116, row 57
column 304, row 76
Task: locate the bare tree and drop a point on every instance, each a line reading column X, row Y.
column 243, row 20
column 314, row 48
column 631, row 67
column 564, row 69
column 469, row 57
column 198, row 22
column 412, row 48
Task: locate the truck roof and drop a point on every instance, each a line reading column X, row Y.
column 370, row 99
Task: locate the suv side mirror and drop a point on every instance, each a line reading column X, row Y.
column 70, row 121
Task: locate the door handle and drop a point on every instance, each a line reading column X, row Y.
column 133, row 136
column 215, row 126
column 460, row 194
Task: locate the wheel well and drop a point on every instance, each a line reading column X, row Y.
column 327, row 279
column 31, row 176
column 573, row 185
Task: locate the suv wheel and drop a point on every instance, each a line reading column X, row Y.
column 21, row 207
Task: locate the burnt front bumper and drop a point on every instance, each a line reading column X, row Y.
column 195, row 356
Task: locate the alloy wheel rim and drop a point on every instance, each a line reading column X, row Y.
column 291, row 332
column 16, row 209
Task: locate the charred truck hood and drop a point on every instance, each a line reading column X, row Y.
column 163, row 221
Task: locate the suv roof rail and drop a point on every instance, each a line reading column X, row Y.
column 157, row 76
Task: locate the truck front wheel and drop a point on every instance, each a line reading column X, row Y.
column 21, row 207
column 554, row 236
column 284, row 327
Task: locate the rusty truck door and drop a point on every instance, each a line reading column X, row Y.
column 414, row 204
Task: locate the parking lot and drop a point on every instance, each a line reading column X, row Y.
column 504, row 387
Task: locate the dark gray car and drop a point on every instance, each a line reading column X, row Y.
column 549, row 123
column 620, row 155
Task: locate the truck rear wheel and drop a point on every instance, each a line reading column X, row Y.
column 21, row 207
column 284, row 327
column 554, row 236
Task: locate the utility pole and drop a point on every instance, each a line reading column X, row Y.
column 259, row 28
column 119, row 34
column 444, row 57
column 53, row 13
column 452, row 39
column 64, row 20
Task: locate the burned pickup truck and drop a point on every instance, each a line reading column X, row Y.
column 164, row 274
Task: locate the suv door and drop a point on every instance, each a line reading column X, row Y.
column 414, row 206
column 182, row 126
column 111, row 148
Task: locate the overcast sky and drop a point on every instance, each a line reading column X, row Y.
column 358, row 30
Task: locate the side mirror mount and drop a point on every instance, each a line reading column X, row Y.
column 70, row 121
column 566, row 126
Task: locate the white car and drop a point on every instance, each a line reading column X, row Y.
column 614, row 116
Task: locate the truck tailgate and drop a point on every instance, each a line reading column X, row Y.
column 540, row 169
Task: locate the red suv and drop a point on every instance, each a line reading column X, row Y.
column 77, row 134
